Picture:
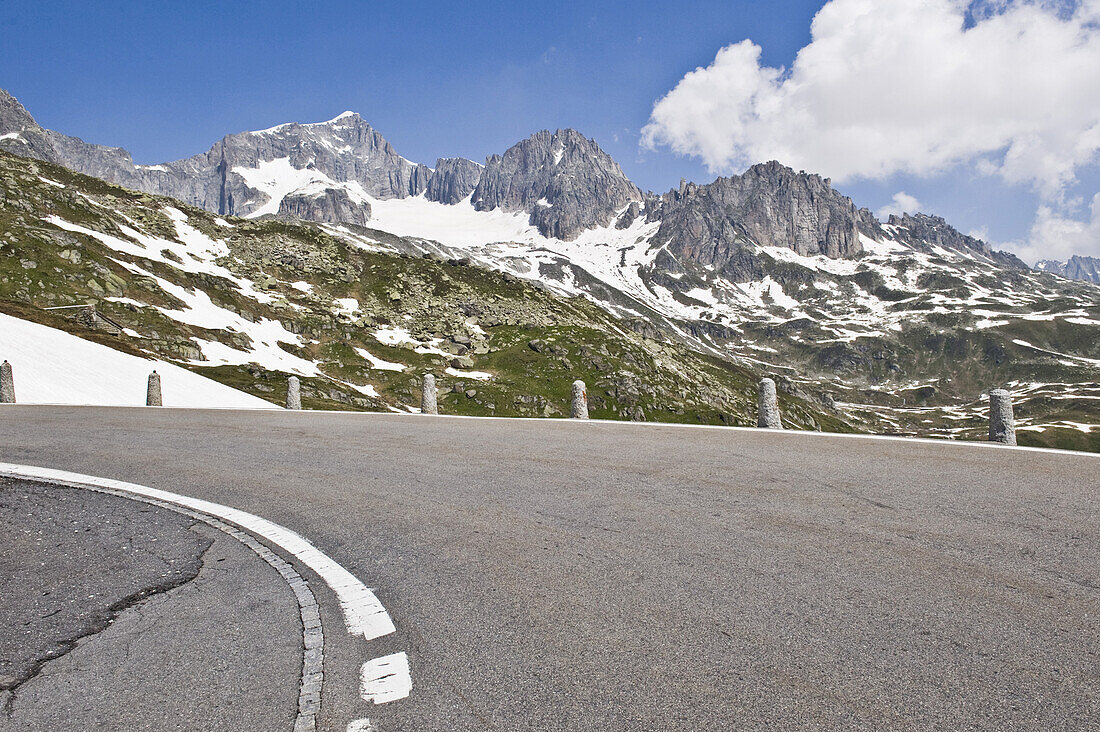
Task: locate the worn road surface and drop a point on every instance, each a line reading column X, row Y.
column 547, row 574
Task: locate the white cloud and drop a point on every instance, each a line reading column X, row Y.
column 1053, row 236
column 905, row 87
column 901, row 203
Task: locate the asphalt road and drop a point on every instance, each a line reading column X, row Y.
column 560, row 575
column 103, row 596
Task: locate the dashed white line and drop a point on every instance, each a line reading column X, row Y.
column 385, row 679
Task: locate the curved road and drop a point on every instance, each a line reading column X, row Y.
column 548, row 574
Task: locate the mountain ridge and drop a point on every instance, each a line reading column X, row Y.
column 564, row 181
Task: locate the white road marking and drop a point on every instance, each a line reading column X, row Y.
column 382, row 679
column 385, row 679
column 363, row 613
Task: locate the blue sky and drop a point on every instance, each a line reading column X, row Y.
column 166, row 80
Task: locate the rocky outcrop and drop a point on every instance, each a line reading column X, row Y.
column 326, row 204
column 770, row 205
column 629, row 216
column 453, row 180
column 720, row 225
column 563, row 180
column 1086, row 269
column 20, row 134
column 922, row 231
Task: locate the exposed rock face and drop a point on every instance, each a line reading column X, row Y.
column 719, row 225
column 633, row 211
column 241, row 173
column 454, row 179
column 770, row 205
column 1077, row 268
column 327, row 204
column 1083, row 268
column 922, row 231
column 20, row 134
column 562, row 179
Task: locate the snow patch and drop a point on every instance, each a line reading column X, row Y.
column 378, row 363
column 346, row 305
column 278, row 179
column 50, row 366
column 479, row 375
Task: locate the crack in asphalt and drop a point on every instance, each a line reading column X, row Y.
column 101, row 621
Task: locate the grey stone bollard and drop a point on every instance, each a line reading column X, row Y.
column 767, row 406
column 578, row 409
column 152, row 394
column 1002, row 423
column 293, row 393
column 428, row 401
column 7, row 384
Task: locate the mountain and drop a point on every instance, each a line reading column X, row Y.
column 326, row 169
column 1076, row 268
column 721, row 224
column 563, row 180
column 247, row 302
column 899, row 326
column 334, row 170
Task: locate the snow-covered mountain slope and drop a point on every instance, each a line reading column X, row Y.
column 905, row 321
column 325, row 171
column 247, row 302
column 881, row 290
column 51, row 366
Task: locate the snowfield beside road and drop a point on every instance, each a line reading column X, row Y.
column 51, row 366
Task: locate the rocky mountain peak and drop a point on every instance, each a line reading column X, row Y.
column 13, row 116
column 562, row 179
column 247, row 173
column 1086, row 269
column 770, row 205
column 345, row 149
column 20, row 134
